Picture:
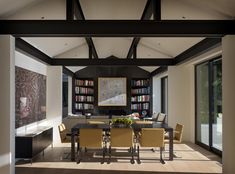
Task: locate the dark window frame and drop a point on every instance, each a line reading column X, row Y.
column 164, row 95
column 211, row 106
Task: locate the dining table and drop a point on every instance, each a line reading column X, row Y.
column 135, row 126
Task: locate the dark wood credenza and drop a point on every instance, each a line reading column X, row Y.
column 28, row 145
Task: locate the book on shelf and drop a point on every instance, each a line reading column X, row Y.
column 83, row 106
column 145, row 82
column 84, row 82
column 141, row 91
column 140, row 106
column 83, row 90
column 81, row 98
column 141, row 98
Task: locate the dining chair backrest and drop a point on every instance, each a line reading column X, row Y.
column 121, row 137
column 90, row 137
column 152, row 137
column 161, row 117
column 62, row 131
column 179, row 132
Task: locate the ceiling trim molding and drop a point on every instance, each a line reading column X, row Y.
column 28, row 49
column 117, row 28
column 113, row 62
column 198, row 49
column 159, row 70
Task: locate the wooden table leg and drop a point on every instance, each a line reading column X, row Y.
column 171, row 145
column 73, row 146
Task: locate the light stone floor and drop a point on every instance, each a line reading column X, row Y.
column 190, row 159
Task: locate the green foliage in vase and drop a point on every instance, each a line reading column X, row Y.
column 126, row 121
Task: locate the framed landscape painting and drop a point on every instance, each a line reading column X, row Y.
column 112, row 91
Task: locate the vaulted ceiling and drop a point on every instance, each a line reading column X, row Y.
column 74, row 47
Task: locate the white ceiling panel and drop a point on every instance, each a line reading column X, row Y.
column 201, row 9
column 168, row 47
column 54, row 46
column 113, row 9
column 77, row 52
column 75, row 68
column 149, row 68
column 117, row 47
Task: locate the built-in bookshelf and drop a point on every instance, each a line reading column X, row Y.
column 140, row 95
column 84, row 95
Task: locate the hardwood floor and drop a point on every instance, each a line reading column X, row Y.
column 190, row 159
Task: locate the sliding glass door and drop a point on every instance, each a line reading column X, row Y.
column 217, row 104
column 209, row 105
column 202, row 102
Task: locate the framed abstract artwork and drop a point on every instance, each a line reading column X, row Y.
column 30, row 97
column 112, row 91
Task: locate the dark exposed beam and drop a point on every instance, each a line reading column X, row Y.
column 156, row 10
column 70, row 9
column 90, row 51
column 135, row 52
column 28, row 49
column 67, row 71
column 115, row 62
column 118, row 28
column 147, row 13
column 80, row 16
column 159, row 70
column 198, row 49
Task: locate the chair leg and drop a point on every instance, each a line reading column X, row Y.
column 79, row 155
column 103, row 155
column 132, row 155
column 161, row 159
column 78, row 146
column 109, row 154
column 138, row 154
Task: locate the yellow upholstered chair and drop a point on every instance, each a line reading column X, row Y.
column 152, row 137
column 90, row 138
column 65, row 136
column 122, row 137
column 177, row 137
column 178, row 133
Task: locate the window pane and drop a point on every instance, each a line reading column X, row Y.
column 217, row 105
column 202, row 82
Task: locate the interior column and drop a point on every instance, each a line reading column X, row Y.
column 7, row 104
column 228, row 61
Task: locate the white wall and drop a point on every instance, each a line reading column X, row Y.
column 54, row 100
column 228, row 63
column 26, row 62
column 181, row 99
column 7, row 105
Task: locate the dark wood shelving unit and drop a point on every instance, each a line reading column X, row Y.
column 84, row 95
column 141, row 95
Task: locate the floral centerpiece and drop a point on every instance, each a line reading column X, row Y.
column 121, row 122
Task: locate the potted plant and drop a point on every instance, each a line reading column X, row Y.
column 121, row 122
